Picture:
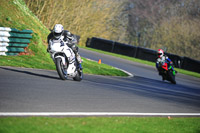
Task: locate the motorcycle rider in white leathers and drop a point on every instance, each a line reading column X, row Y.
column 58, row 32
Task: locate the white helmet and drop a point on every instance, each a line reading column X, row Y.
column 58, row 31
column 160, row 53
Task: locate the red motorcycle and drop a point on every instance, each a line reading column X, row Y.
column 167, row 72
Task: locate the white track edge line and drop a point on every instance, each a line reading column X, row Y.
column 93, row 114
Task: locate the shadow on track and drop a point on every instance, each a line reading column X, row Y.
column 30, row 73
column 152, row 88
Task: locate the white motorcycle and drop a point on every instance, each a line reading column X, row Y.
column 65, row 60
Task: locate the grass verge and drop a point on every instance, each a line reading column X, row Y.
column 90, row 67
column 99, row 124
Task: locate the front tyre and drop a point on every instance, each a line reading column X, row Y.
column 172, row 77
column 60, row 69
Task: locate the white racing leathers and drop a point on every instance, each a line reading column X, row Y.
column 64, row 59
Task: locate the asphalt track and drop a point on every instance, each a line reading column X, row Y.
column 25, row 90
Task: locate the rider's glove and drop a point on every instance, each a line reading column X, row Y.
column 48, row 50
column 65, row 39
column 171, row 63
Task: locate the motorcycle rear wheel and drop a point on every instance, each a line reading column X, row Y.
column 79, row 76
column 60, row 69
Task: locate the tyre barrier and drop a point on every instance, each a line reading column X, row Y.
column 141, row 53
column 13, row 41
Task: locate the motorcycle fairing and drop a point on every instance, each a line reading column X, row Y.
column 165, row 66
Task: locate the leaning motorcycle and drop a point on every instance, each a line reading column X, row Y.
column 166, row 72
column 65, row 60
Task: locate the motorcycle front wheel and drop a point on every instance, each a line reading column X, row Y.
column 62, row 72
column 172, row 77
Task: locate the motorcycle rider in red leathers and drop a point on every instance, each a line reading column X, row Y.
column 161, row 59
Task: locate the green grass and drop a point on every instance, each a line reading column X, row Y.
column 89, row 67
column 99, row 125
column 92, row 67
column 142, row 61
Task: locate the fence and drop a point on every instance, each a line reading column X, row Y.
column 141, row 53
column 13, row 41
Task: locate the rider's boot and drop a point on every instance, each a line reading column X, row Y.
column 78, row 57
column 79, row 65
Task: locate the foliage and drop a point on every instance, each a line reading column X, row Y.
column 86, row 18
column 178, row 35
column 171, row 24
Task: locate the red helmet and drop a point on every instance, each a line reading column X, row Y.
column 160, row 53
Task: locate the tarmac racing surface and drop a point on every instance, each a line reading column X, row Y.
column 32, row 91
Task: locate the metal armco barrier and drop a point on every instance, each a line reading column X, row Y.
column 13, row 41
column 141, row 53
